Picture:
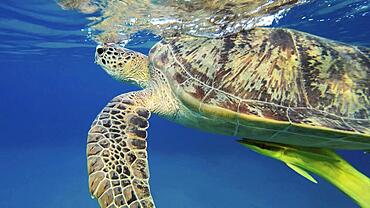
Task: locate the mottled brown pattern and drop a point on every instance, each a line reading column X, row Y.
column 264, row 110
column 317, row 118
column 197, row 57
column 195, row 89
column 282, row 38
column 250, row 68
column 359, row 125
column 222, row 100
column 180, row 78
column 274, row 70
column 336, row 77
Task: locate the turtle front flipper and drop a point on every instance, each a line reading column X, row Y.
column 117, row 156
column 323, row 162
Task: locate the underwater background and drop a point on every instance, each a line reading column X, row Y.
column 51, row 90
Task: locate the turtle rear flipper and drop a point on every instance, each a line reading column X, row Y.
column 323, row 162
column 117, row 156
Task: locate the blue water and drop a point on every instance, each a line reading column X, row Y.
column 51, row 90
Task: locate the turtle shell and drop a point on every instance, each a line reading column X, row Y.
column 276, row 85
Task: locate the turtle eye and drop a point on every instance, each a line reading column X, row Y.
column 100, row 51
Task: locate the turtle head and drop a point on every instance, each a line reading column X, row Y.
column 123, row 64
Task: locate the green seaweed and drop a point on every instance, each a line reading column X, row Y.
column 322, row 162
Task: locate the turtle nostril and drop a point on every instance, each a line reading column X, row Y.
column 100, row 51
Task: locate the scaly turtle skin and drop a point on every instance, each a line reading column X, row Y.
column 267, row 85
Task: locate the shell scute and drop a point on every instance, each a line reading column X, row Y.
column 196, row 89
column 222, row 100
column 360, row 125
column 334, row 77
column 317, row 118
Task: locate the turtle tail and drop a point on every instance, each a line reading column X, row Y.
column 323, row 162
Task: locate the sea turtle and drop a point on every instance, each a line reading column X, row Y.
column 270, row 86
